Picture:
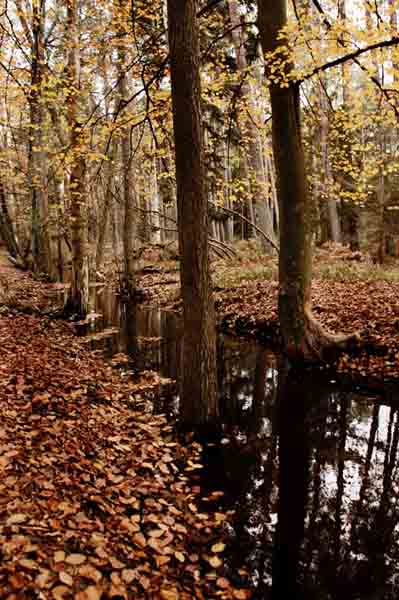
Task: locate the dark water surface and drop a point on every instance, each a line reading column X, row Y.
column 308, row 468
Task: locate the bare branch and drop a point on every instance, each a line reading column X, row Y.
column 394, row 41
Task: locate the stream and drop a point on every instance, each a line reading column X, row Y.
column 307, row 468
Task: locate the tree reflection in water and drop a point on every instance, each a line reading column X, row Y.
column 299, row 451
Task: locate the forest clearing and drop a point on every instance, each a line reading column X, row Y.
column 199, row 299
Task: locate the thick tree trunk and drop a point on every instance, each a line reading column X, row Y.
column 198, row 376
column 302, row 336
column 78, row 298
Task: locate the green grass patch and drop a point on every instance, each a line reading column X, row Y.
column 351, row 272
column 231, row 276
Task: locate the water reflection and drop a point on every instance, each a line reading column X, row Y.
column 309, row 468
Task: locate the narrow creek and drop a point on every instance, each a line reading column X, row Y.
column 308, row 468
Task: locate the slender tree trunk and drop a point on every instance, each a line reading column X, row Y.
column 129, row 223
column 198, row 377
column 335, row 228
column 78, row 298
column 6, row 227
column 302, row 336
column 155, row 204
column 167, row 192
column 40, row 243
column 255, row 172
column 377, row 222
column 105, row 211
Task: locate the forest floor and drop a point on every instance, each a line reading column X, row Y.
column 98, row 498
column 349, row 294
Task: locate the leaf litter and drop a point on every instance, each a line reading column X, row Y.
column 95, row 501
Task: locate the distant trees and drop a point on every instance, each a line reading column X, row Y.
column 87, row 148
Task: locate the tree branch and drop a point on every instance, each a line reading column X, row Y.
column 374, row 79
column 351, row 56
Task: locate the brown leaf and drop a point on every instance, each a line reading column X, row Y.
column 76, row 559
column 169, row 594
column 155, row 545
column 128, row 575
column 28, row 564
column 89, row 572
column 162, row 560
column 180, row 556
column 60, row 592
column 16, row 519
column 43, row 579
column 92, row 592
column 59, row 556
column 116, row 564
column 139, row 540
column 241, row 594
column 215, row 562
column 66, row 578
column 156, row 533
column 217, row 548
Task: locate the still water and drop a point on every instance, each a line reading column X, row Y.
column 307, row 468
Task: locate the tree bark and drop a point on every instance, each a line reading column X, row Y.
column 6, row 227
column 198, row 377
column 129, row 223
column 40, row 242
column 78, row 297
column 303, row 338
column 333, row 217
column 258, row 183
column 105, row 208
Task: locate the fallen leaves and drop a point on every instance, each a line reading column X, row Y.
column 95, row 497
column 370, row 307
column 16, row 519
column 75, row 559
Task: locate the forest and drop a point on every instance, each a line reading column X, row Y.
column 199, row 299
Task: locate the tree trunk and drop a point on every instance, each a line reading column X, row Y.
column 198, row 377
column 302, row 336
column 105, row 208
column 40, row 243
column 333, row 217
column 129, row 223
column 78, row 297
column 264, row 218
column 6, row 226
column 155, row 202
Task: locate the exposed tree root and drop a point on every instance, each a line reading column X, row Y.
column 319, row 345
